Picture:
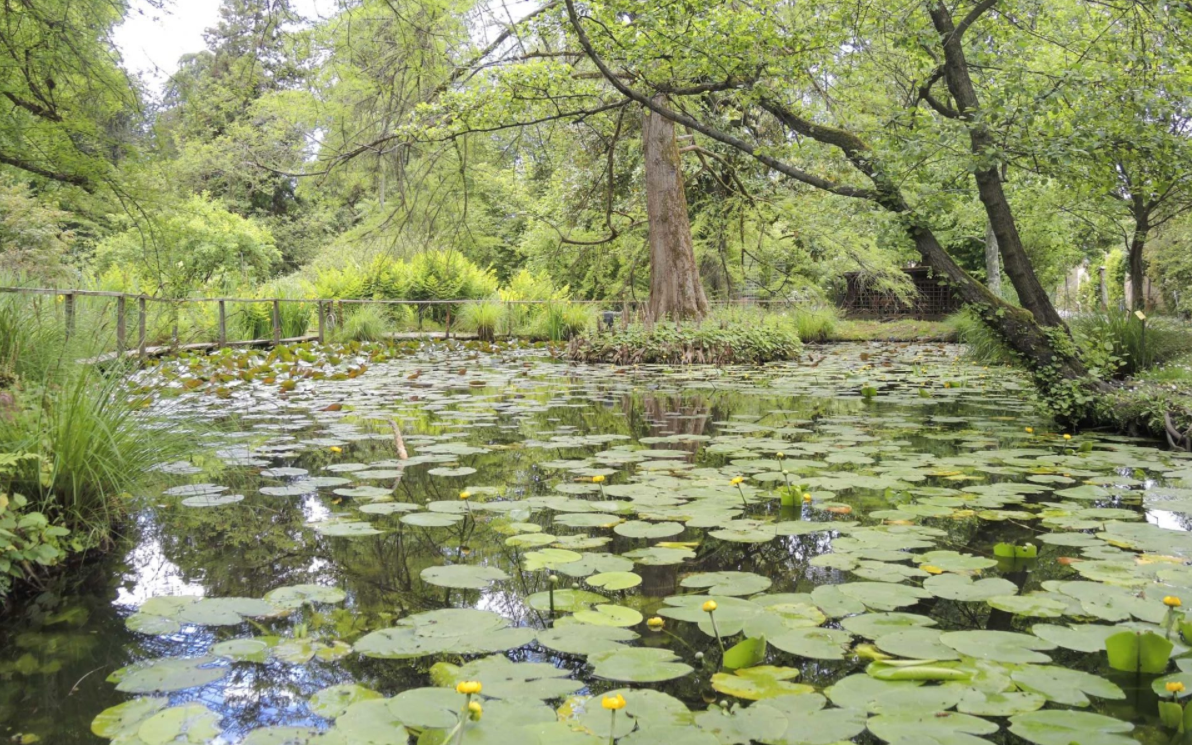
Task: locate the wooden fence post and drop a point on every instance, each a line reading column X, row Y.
column 143, row 322
column 420, row 307
column 322, row 320
column 223, row 325
column 509, row 320
column 447, row 332
column 276, row 322
column 121, row 329
column 69, row 307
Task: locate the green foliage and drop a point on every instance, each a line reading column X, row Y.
column 983, row 344
column 255, row 320
column 364, row 323
column 27, row 537
column 815, row 324
column 674, row 345
column 35, row 235
column 1169, row 259
column 562, row 321
column 1115, row 342
column 483, row 318
column 198, row 244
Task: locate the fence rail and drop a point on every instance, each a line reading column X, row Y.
column 323, row 306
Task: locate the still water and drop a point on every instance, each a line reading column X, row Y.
column 881, row 495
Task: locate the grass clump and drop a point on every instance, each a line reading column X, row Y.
column 815, row 325
column 1115, row 341
column 483, row 319
column 670, row 344
column 983, row 344
column 365, row 323
column 561, row 321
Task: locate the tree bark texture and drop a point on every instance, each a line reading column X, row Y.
column 675, row 287
column 993, row 263
column 1136, row 268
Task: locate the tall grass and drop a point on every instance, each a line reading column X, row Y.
column 364, row 323
column 560, row 321
column 1117, row 342
column 815, row 324
column 78, row 420
column 982, row 343
column 484, row 319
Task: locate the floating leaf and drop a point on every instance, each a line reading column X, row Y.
column 638, row 665
column 1054, row 727
column 762, row 682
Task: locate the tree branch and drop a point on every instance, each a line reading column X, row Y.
column 73, row 179
column 691, row 123
column 972, row 17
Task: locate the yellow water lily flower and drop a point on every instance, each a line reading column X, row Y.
column 468, row 687
column 599, row 479
column 737, row 480
column 1175, row 687
column 465, row 494
column 336, row 449
column 1171, row 601
column 1030, row 430
column 709, row 606
column 806, row 497
column 655, row 623
column 1067, row 436
column 931, row 569
column 613, row 703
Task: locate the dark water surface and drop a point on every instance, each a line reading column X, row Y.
column 904, row 449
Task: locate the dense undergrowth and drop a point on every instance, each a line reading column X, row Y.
column 1144, row 367
column 71, row 446
column 667, row 343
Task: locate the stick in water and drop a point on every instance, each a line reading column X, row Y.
column 398, row 442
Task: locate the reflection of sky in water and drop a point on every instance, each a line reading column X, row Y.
column 151, row 573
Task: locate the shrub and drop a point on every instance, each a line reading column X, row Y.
column 364, row 323
column 815, row 324
column 673, row 345
column 484, row 319
column 255, row 320
column 1115, row 343
column 562, row 321
column 448, row 275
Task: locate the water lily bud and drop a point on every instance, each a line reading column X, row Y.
column 806, row 497
column 598, row 479
column 709, row 606
column 699, row 655
column 655, row 623
column 475, row 710
column 785, row 472
column 553, row 579
column 1067, row 436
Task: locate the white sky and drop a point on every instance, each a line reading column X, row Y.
column 151, row 41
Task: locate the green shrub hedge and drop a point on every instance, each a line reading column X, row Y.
column 685, row 345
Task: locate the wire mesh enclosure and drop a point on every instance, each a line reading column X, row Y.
column 933, row 298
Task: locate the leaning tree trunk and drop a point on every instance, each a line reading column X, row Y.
column 989, row 181
column 675, row 287
column 1142, row 229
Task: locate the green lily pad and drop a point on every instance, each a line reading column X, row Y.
column 962, row 588
column 607, row 614
column 614, row 580
column 584, row 639
column 1064, row 686
column 638, row 665
column 762, row 682
column 167, row 674
column 510, row 680
column 727, row 583
column 942, row 727
column 333, row 701
column 295, row 596
column 998, row 646
column 1055, row 727
column 463, row 576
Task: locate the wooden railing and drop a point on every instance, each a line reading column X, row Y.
column 323, row 306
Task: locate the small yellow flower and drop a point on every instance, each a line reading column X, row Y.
column 1171, row 601
column 336, row 449
column 468, row 687
column 614, row 703
column 655, row 623
column 599, row 479
column 1030, row 430
column 931, row 569
column 475, row 710
column 465, row 494
column 779, row 455
column 737, row 480
column 1067, row 436
column 709, row 606
column 806, row 497
column 1175, row 687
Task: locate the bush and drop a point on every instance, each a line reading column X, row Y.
column 674, row 345
column 815, row 324
column 364, row 323
column 27, row 538
column 1114, row 342
column 563, row 321
column 484, row 319
column 255, row 320
column 982, row 343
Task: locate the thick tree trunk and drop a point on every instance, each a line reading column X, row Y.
column 993, row 263
column 1137, row 270
column 989, row 183
column 675, row 287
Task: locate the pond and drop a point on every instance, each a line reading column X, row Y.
column 898, row 545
